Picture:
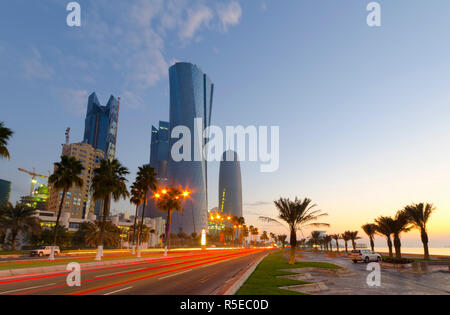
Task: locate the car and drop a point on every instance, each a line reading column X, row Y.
column 364, row 255
column 44, row 251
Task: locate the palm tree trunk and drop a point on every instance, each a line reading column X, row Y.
column 354, row 244
column 346, row 247
column 424, row 237
column 55, row 234
column 372, row 244
column 13, row 239
column 337, row 246
column 142, row 221
column 397, row 245
column 168, row 228
column 293, row 245
column 134, row 225
column 389, row 242
column 105, row 216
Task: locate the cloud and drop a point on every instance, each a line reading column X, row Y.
column 131, row 37
column 230, row 14
column 74, row 101
column 34, row 68
column 196, row 19
column 258, row 203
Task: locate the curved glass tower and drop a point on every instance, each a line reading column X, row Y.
column 191, row 97
column 230, row 185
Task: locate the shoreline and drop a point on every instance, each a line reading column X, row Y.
column 420, row 256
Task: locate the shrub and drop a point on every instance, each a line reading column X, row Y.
column 402, row 261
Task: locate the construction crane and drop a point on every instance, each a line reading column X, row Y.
column 33, row 175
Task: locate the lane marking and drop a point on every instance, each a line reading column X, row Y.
column 174, row 275
column 226, row 257
column 23, row 289
column 117, row 291
column 116, row 273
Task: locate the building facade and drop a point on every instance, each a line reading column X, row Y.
column 101, row 125
column 79, row 202
column 230, row 185
column 191, row 97
column 5, row 191
column 159, row 156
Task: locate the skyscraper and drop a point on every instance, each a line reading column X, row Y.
column 101, row 125
column 5, row 191
column 230, row 185
column 191, row 97
column 159, row 156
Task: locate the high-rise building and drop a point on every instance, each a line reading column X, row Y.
column 230, row 185
column 191, row 97
column 79, row 201
column 101, row 125
column 5, row 191
column 159, row 156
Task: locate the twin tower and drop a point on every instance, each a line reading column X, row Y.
column 191, row 96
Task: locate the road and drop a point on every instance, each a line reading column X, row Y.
column 190, row 273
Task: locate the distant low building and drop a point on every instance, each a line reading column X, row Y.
column 79, row 202
column 5, row 191
column 157, row 225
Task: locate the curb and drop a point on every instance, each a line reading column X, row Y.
column 242, row 279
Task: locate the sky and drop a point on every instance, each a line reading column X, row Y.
column 363, row 112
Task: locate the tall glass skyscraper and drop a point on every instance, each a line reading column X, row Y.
column 101, row 122
column 230, row 185
column 100, row 130
column 191, row 96
column 159, row 156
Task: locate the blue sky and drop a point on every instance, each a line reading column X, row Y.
column 363, row 112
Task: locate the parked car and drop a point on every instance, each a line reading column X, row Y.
column 44, row 251
column 364, row 255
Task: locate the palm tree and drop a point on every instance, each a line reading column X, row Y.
column 353, row 237
column 346, row 237
column 282, row 239
column 272, row 235
column 20, row 218
column 5, row 135
column 327, row 239
column 109, row 181
column 137, row 198
column 264, row 237
column 254, row 232
column 316, row 236
column 400, row 225
column 67, row 174
column 336, row 238
column 169, row 201
column 146, row 179
column 419, row 215
column 298, row 214
column 370, row 229
column 92, row 233
column 384, row 227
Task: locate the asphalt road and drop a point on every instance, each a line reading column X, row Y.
column 191, row 273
